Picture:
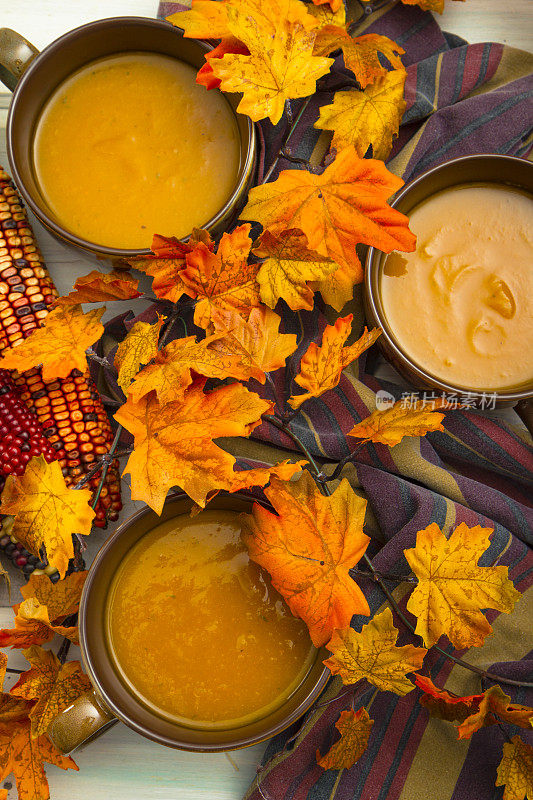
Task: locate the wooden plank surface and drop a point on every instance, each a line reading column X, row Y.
column 122, row 765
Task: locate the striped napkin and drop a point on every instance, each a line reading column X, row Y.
column 461, row 99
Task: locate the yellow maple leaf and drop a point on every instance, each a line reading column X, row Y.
column 373, row 655
column 173, row 443
column 390, row 425
column 260, row 476
column 281, row 64
column 515, row 770
column 46, row 511
column 355, row 728
column 321, row 367
column 52, row 684
column 452, row 589
column 138, row 348
column 328, row 14
column 206, row 20
column 428, row 5
column 337, row 288
column 308, row 548
column 256, row 342
column 98, row 287
column 368, row 118
column 289, row 263
column 59, row 345
column 361, row 54
column 344, row 206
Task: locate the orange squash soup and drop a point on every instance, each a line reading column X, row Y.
column 461, row 305
column 131, row 145
column 196, row 629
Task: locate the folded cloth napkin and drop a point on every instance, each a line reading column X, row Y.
column 461, row 99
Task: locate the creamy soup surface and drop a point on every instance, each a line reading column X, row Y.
column 196, row 628
column 461, row 305
column 131, row 145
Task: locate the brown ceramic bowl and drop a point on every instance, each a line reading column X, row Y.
column 112, row 699
column 487, row 169
column 43, row 72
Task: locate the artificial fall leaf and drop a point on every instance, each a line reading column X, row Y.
column 260, row 476
column 337, row 288
column 97, row 287
column 173, row 443
column 170, row 373
column 355, row 728
column 205, row 20
column 473, row 712
column 223, row 279
column 309, row 548
column 52, row 684
column 427, row 5
column 138, row 348
column 3, row 665
column 342, row 207
column 368, row 118
column 229, row 44
column 390, row 425
column 59, row 345
column 373, row 655
column 289, row 263
column 23, row 755
column 47, row 512
column 165, row 264
column 280, row 64
column 335, row 5
column 328, row 14
column 321, row 367
column 361, row 54
column 515, row 770
column 452, row 589
column 257, row 343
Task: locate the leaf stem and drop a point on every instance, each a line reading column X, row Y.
column 297, row 441
column 107, row 461
column 342, row 463
column 292, row 127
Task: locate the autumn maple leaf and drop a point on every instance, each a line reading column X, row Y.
column 47, row 512
column 260, row 476
column 390, row 425
column 166, row 262
column 355, row 728
column 475, row 711
column 59, row 345
column 229, row 44
column 206, row 20
column 344, row 206
column 173, row 443
column 428, row 5
column 308, row 548
column 321, row 367
column 373, row 655
column 280, row 64
column 368, row 118
column 53, row 686
column 97, row 287
column 452, row 589
column 515, row 770
column 361, row 54
column 138, row 348
column 328, row 12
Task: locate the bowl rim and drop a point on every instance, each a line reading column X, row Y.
column 88, row 662
column 372, row 266
column 44, row 218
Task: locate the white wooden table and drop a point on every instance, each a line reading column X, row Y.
column 122, row 765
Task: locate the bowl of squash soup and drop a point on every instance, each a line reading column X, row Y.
column 457, row 313
column 111, row 140
column 184, row 638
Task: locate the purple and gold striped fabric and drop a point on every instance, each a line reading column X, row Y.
column 461, row 99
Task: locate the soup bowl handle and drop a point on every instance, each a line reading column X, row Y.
column 16, row 54
column 81, row 722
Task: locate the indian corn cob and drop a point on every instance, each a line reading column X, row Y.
column 69, row 410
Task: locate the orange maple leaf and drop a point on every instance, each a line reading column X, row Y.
column 342, row 207
column 428, row 5
column 173, row 443
column 335, row 5
column 321, row 367
column 47, row 512
column 53, row 686
column 368, row 118
column 229, row 44
column 43, row 610
column 288, row 266
column 206, row 20
column 223, row 279
column 373, row 655
column 260, row 476
column 355, row 728
column 59, row 345
column 361, row 54
column 164, row 266
column 452, row 589
column 309, row 548
column 475, row 711
column 515, row 770
column 257, row 343
column 138, row 348
column 97, row 287
column 390, row 425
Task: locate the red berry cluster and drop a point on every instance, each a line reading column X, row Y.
column 21, row 436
